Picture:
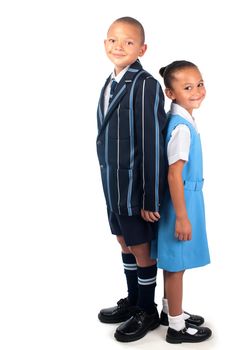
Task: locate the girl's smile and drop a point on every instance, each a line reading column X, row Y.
column 187, row 88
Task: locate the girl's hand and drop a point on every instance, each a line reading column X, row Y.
column 150, row 216
column 183, row 229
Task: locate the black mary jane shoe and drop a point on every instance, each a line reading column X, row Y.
column 175, row 337
column 119, row 313
column 137, row 326
column 193, row 319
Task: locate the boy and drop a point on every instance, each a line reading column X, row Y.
column 130, row 152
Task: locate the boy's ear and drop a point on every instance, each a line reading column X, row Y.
column 142, row 50
column 169, row 94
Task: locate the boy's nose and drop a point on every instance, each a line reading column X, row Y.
column 196, row 93
column 119, row 45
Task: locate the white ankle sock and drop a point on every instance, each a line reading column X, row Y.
column 165, row 308
column 176, row 322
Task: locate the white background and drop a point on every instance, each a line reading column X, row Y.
column 58, row 262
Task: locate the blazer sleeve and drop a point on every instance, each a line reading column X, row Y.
column 150, row 121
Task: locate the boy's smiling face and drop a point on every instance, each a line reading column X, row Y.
column 124, row 45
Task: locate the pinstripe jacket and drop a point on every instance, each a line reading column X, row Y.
column 130, row 143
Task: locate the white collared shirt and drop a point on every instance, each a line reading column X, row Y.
column 179, row 143
column 117, row 78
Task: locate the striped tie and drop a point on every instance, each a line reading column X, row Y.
column 113, row 87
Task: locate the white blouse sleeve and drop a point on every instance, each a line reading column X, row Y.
column 179, row 144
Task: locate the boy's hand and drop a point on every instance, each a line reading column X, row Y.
column 183, row 229
column 150, row 216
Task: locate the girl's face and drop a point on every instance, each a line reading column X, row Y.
column 187, row 88
column 123, row 45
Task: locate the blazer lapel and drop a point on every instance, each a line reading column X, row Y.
column 118, row 94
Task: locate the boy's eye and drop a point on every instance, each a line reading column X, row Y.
column 201, row 84
column 129, row 43
column 111, row 41
column 188, row 88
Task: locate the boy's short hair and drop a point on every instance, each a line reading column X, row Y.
column 134, row 22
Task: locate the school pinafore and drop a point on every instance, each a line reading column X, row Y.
column 173, row 254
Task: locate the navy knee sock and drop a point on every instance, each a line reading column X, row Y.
column 146, row 287
column 130, row 269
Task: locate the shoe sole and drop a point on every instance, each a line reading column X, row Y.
column 126, row 339
column 179, row 340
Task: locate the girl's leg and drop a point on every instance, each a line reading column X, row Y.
column 178, row 330
column 164, row 299
column 194, row 319
column 174, row 291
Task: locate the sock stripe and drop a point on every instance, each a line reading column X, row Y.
column 146, row 281
column 130, row 267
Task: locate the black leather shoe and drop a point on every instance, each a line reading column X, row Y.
column 182, row 336
column 193, row 319
column 120, row 313
column 137, row 326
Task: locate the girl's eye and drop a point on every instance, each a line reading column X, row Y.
column 201, row 84
column 188, row 88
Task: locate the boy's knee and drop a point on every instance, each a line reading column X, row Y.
column 123, row 245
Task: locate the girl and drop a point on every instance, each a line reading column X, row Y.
column 182, row 240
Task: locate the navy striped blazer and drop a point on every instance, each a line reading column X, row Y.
column 130, row 143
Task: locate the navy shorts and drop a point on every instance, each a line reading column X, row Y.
column 134, row 229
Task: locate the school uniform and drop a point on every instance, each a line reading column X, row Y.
column 130, row 146
column 183, row 142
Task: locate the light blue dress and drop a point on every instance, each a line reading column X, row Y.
column 173, row 254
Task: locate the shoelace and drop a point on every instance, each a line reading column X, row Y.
column 122, row 302
column 139, row 315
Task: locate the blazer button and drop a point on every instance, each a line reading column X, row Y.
column 101, row 166
column 99, row 142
